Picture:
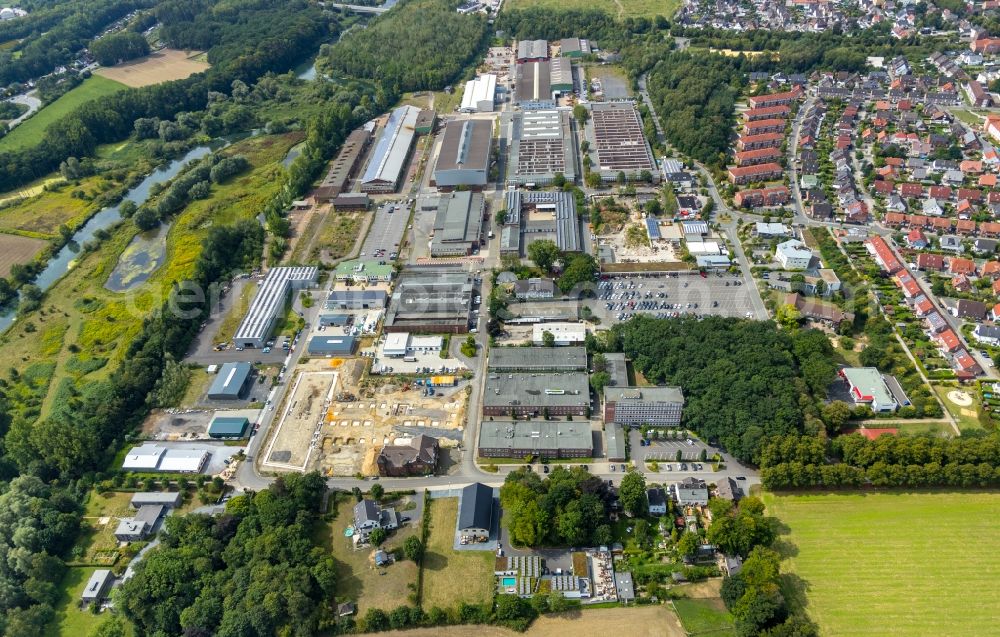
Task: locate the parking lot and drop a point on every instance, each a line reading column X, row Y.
column 665, row 450
column 386, row 232
column 673, row 295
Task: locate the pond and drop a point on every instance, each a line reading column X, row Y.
column 143, row 256
column 64, row 261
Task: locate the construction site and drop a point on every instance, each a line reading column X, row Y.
column 337, row 417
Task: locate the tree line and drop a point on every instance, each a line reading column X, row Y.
column 419, row 45
column 852, row 460
column 119, row 47
column 755, row 599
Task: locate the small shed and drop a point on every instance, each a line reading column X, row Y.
column 381, row 558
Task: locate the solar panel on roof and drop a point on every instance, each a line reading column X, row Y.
column 653, row 227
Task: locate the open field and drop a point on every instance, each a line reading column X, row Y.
column 15, row 249
column 887, row 564
column 40, row 213
column 81, row 313
column 357, row 578
column 162, row 66
column 619, row 8
column 705, row 616
column 452, row 577
column 31, row 130
column 638, row 621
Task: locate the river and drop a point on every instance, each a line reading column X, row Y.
column 64, row 261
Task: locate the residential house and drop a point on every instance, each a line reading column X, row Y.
column 987, row 334
column 657, row 498
column 368, row 516
column 967, row 309
column 405, row 457
column 690, row 492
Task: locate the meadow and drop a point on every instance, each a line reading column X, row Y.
column 30, row 132
column 15, row 249
column 162, row 66
column 885, row 564
column 452, row 577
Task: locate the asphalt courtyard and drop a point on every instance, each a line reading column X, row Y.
column 386, row 232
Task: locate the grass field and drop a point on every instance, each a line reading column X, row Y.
column 619, row 8
column 357, row 579
column 906, row 564
column 31, row 130
column 708, row 616
column 162, row 66
column 966, row 417
column 15, row 249
column 450, row 576
column 41, row 213
column 70, row 619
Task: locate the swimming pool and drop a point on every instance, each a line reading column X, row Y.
column 508, row 581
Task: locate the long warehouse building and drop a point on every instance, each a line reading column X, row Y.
column 388, row 160
column 620, row 143
column 269, row 304
column 541, row 147
column 520, row 438
column 464, row 159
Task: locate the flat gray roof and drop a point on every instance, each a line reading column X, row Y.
column 528, row 49
column 431, row 295
column 533, row 82
column 459, row 221
column 541, row 146
column 572, row 358
column 270, row 298
column 645, row 394
column 619, row 138
column 617, row 369
column 544, row 390
column 614, row 442
column 535, row 435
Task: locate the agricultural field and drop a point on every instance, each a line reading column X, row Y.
column 15, row 249
column 618, row 8
column 162, row 66
column 452, row 577
column 31, row 130
column 357, row 577
column 84, row 325
column 892, row 563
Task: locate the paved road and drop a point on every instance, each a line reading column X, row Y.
column 30, row 100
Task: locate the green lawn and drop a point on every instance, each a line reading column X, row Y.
column 31, row 130
column 70, row 618
column 619, row 8
column 966, row 417
column 450, row 576
column 704, row 616
column 906, row 564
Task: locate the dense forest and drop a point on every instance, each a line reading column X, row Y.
column 119, row 47
column 40, row 53
column 852, row 460
column 260, row 40
column 421, row 45
column 567, row 508
column 695, row 97
column 743, row 381
column 253, row 571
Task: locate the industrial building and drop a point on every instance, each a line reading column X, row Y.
column 150, row 457
column 574, row 47
column 392, row 151
column 269, row 303
column 533, row 215
column 322, row 345
column 360, row 271
column 466, row 150
column 231, row 382
column 458, row 224
column 869, row 386
column 348, row 298
column 228, row 427
column 635, row 406
column 480, row 94
column 524, row 395
column 532, row 51
column 537, row 359
column 346, row 164
column 619, row 143
column 400, row 344
column 541, row 147
column 541, row 438
column 560, row 75
column 563, row 333
column 533, row 86
column 435, row 300
column 614, row 443
column 535, row 289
